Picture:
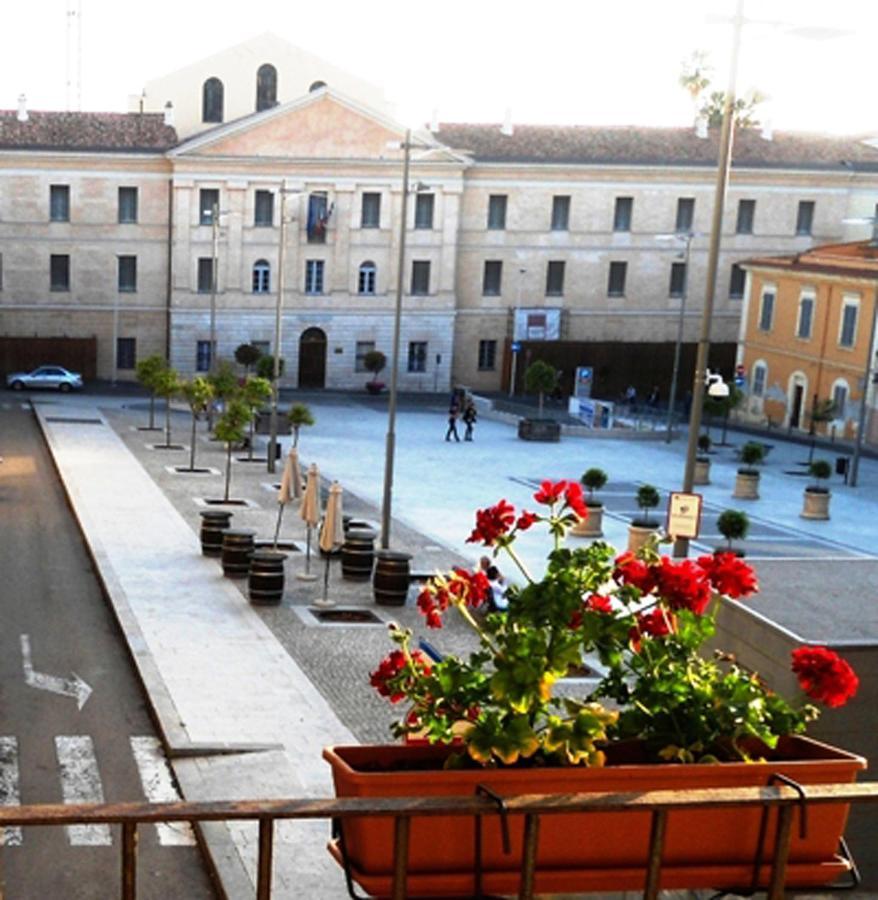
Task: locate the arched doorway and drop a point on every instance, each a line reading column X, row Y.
column 312, row 358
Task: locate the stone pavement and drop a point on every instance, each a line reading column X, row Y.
column 223, row 675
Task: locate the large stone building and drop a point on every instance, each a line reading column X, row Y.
column 544, row 235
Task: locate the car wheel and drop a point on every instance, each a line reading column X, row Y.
column 16, row 386
column 64, row 388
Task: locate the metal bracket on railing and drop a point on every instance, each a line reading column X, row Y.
column 855, row 878
column 482, row 791
column 338, row 834
column 803, row 798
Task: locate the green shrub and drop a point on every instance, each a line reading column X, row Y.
column 752, row 453
column 733, row 525
column 819, row 470
column 593, row 479
column 647, row 498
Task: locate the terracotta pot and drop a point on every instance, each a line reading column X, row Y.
column 594, row 852
column 638, row 535
column 591, row 527
column 816, row 503
column 702, row 472
column 746, row 485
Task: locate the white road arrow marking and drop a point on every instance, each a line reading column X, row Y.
column 68, row 687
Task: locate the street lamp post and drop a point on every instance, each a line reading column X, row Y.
column 867, row 378
column 397, row 317
column 214, row 268
column 681, row 545
column 521, row 273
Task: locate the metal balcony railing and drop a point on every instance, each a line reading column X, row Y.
column 784, row 797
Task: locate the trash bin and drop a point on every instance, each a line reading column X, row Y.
column 842, row 465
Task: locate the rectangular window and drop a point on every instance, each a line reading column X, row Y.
column 736, row 282
column 202, row 356
column 487, row 356
column 840, row 401
column 421, row 277
column 492, row 278
column 314, row 276
column 126, row 353
column 261, row 281
column 127, row 274
column 318, row 217
column 263, row 209
column 497, row 212
column 417, row 356
column 685, row 215
column 806, row 317
column 366, row 278
column 59, row 272
column 622, row 215
column 746, row 215
column 805, row 217
column 677, row 287
column 848, row 333
column 205, row 274
column 555, row 278
column 424, row 211
column 370, row 214
column 759, row 373
column 208, row 200
column 560, row 213
column 59, row 203
column 616, row 281
column 362, row 348
column 127, row 205
column 766, row 311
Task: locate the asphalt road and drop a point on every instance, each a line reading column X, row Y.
column 55, row 623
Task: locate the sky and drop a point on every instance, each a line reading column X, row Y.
column 590, row 62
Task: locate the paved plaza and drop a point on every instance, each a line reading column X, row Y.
column 279, row 683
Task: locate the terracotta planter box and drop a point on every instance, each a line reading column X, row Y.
column 702, row 472
column 592, row 527
column 585, row 852
column 638, row 535
column 816, row 504
column 746, row 485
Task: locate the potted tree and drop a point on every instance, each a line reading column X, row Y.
column 822, row 412
column 702, row 460
column 198, row 393
column 817, row 495
column 540, row 378
column 747, row 479
column 491, row 720
column 167, row 386
column 254, row 391
column 247, row 355
column 733, row 525
column 224, row 382
column 374, row 361
column 230, row 429
column 300, row 416
column 592, row 526
column 643, row 528
column 148, row 371
column 265, row 370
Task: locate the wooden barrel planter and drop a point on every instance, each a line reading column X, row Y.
column 266, row 580
column 238, row 546
column 358, row 554
column 213, row 523
column 390, row 582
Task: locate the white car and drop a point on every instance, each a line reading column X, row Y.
column 54, row 377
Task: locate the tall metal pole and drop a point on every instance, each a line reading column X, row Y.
column 867, row 378
column 672, row 399
column 681, row 545
column 514, row 372
column 214, row 267
column 278, row 323
column 391, row 405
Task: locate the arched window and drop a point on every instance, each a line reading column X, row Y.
column 266, row 87
column 840, row 393
column 261, row 277
column 316, row 85
column 760, row 375
column 366, row 282
column 212, row 100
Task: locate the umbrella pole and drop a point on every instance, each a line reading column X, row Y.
column 306, row 575
column 325, row 601
column 280, row 515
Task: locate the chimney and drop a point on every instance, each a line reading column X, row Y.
column 701, row 127
column 506, row 127
column 767, row 133
column 169, row 114
column 434, row 121
column 22, row 108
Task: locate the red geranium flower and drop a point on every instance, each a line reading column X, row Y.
column 824, row 676
column 729, row 575
column 574, row 499
column 655, row 623
column 550, row 492
column 492, row 523
column 683, row 585
column 385, row 679
column 598, row 603
column 634, row 572
column 525, row 520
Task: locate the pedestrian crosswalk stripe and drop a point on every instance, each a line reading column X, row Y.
column 9, row 790
column 81, row 783
column 158, row 787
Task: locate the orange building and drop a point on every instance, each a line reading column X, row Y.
column 808, row 336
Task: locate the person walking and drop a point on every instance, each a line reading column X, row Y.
column 469, row 419
column 453, row 415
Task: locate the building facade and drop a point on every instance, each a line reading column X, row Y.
column 540, row 234
column 808, row 338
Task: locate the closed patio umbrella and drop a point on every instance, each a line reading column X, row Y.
column 290, row 487
column 309, row 512
column 331, row 536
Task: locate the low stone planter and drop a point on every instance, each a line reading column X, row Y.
column 638, row 535
column 746, row 485
column 816, row 503
column 592, row 527
column 702, row 472
column 539, row 430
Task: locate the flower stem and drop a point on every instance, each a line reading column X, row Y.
column 517, row 560
column 468, row 617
